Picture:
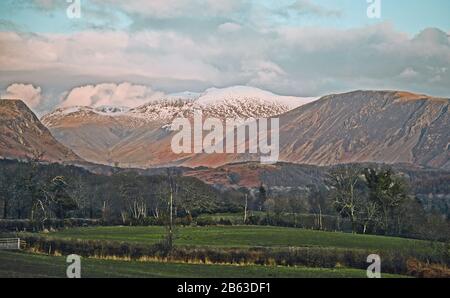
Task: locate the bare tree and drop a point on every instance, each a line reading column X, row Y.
column 79, row 193
column 245, row 208
column 344, row 182
column 172, row 189
column 32, row 185
column 132, row 193
column 317, row 203
column 370, row 214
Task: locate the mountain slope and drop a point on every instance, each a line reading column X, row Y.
column 368, row 126
column 139, row 137
column 23, row 136
column 360, row 126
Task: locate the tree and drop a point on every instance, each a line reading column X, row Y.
column 172, row 189
column 269, row 207
column 344, row 182
column 59, row 198
column 281, row 206
column 192, row 197
column 297, row 206
column 244, row 197
column 4, row 197
column 131, row 193
column 387, row 191
column 317, row 203
column 80, row 194
column 262, row 197
column 245, row 208
column 370, row 214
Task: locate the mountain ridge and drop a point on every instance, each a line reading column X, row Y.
column 128, row 138
column 354, row 127
column 378, row 126
column 23, row 136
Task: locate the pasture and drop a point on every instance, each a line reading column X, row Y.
column 246, row 236
column 23, row 265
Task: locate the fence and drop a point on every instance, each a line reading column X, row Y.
column 10, row 243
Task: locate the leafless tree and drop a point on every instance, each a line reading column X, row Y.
column 245, row 208
column 344, row 181
column 172, row 189
column 370, row 214
column 137, row 208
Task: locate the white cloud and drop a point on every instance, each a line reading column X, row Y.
column 124, row 94
column 31, row 95
column 229, row 27
column 409, row 73
column 263, row 73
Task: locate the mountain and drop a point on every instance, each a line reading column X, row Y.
column 361, row 126
column 246, row 102
column 368, row 126
column 22, row 136
column 232, row 102
column 139, row 137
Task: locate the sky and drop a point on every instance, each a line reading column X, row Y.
column 128, row 52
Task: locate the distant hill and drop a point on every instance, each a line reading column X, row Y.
column 23, row 136
column 368, row 126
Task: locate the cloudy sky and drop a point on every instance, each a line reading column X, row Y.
column 128, row 52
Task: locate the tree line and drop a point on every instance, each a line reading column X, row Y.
column 355, row 198
column 40, row 192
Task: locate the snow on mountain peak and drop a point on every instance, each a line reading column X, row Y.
column 213, row 95
column 232, row 102
column 246, row 102
column 216, row 96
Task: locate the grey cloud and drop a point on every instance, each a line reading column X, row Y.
column 289, row 61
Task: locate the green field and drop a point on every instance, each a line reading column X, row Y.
column 16, row 264
column 245, row 236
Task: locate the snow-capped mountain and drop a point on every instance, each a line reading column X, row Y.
column 163, row 110
column 246, row 102
column 233, row 102
column 361, row 126
column 111, row 134
column 243, row 94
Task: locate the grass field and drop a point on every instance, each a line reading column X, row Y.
column 245, row 236
column 17, row 264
